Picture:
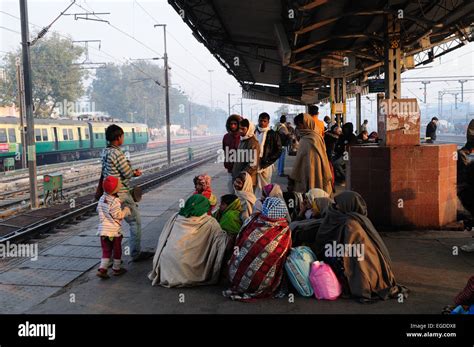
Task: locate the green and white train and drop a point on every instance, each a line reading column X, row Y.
column 65, row 140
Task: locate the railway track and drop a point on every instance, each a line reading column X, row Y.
column 90, row 170
column 87, row 182
column 12, row 176
column 32, row 223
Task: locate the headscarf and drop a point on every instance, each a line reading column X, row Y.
column 274, row 208
column 267, row 189
column 246, row 196
column 314, row 193
column 349, row 204
column 273, row 190
column 470, row 131
column 231, row 118
column 203, row 180
column 250, row 132
column 195, row 206
column 311, row 138
column 229, row 219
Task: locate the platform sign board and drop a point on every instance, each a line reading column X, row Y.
column 399, row 122
column 376, row 85
column 291, row 89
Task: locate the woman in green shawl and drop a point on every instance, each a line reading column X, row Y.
column 228, row 214
column 191, row 247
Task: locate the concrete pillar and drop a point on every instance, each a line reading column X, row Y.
column 358, row 108
column 332, row 98
column 344, row 99
column 393, row 60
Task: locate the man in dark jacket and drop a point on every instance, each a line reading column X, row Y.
column 431, row 130
column 346, row 140
column 248, row 153
column 330, row 139
column 270, row 151
column 230, row 142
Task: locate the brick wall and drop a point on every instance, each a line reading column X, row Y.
column 409, row 186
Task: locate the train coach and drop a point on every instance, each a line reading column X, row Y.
column 65, row 140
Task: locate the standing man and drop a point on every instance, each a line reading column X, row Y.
column 248, row 152
column 313, row 111
column 431, row 130
column 230, row 143
column 270, row 150
column 363, row 127
column 114, row 163
column 285, row 137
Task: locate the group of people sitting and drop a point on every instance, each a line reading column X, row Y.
column 246, row 240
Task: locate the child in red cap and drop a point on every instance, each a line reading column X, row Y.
column 111, row 215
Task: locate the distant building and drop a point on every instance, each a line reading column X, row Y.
column 9, row 111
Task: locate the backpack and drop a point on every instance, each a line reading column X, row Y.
column 324, row 281
column 298, row 266
column 285, row 139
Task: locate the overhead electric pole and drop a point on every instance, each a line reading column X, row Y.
column 167, row 98
column 30, row 133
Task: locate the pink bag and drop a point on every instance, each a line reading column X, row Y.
column 324, row 281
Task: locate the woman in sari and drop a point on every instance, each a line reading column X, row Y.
column 243, row 187
column 366, row 275
column 191, row 247
column 228, row 214
column 311, row 168
column 256, row 270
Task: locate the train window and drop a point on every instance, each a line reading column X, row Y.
column 86, row 133
column 70, row 134
column 3, row 136
column 12, row 135
column 45, row 134
column 38, row 135
column 96, row 136
column 65, row 136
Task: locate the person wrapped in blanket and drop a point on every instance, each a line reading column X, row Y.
column 244, row 191
column 348, row 241
column 202, row 184
column 191, row 247
column 256, row 269
column 228, row 214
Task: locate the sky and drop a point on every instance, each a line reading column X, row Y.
column 134, row 37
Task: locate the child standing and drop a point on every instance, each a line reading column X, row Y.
column 110, row 227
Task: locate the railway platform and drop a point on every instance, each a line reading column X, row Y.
column 62, row 280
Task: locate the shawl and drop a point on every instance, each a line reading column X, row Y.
column 247, row 197
column 190, row 252
column 311, row 168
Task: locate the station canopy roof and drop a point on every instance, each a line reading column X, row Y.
column 287, row 50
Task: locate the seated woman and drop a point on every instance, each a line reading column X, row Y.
column 309, row 208
column 305, row 228
column 270, row 190
column 255, row 271
column 191, row 247
column 243, row 187
column 202, row 184
column 228, row 214
column 365, row 267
